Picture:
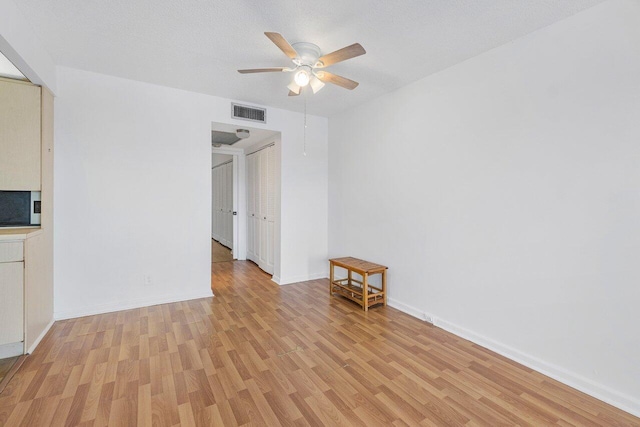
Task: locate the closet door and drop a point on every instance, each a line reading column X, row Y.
column 215, row 186
column 223, row 206
column 220, row 198
column 222, row 227
column 271, row 205
column 213, row 203
column 261, row 208
column 262, row 185
column 251, row 211
column 258, row 210
column 229, row 211
column 219, row 204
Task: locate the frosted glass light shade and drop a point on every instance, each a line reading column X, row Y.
column 293, row 87
column 302, row 78
column 316, row 84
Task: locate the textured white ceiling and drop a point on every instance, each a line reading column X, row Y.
column 199, row 44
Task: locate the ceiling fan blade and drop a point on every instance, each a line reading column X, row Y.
column 292, row 93
column 263, row 70
column 342, row 54
column 337, row 80
column 283, row 44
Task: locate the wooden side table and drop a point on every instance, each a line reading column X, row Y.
column 359, row 291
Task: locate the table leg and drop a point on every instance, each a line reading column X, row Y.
column 384, row 287
column 365, row 292
column 349, row 276
column 330, row 278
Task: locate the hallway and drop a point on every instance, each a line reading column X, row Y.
column 220, row 253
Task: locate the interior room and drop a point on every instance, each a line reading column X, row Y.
column 181, row 183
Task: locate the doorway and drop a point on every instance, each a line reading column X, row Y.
column 246, row 174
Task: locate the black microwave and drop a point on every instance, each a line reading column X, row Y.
column 19, row 208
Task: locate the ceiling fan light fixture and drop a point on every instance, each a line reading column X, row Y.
column 293, row 87
column 316, row 84
column 308, row 64
column 302, row 77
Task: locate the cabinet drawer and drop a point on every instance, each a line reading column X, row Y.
column 11, row 251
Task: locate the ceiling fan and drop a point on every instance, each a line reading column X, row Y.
column 309, row 63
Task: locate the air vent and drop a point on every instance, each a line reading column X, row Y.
column 244, row 112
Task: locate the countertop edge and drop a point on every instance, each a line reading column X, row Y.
column 19, row 234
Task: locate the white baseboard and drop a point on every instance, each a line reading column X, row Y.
column 37, row 341
column 411, row 311
column 275, row 279
column 130, row 304
column 301, row 278
column 615, row 398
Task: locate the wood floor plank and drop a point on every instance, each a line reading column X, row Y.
column 260, row 354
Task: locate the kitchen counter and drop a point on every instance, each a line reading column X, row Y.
column 18, row 233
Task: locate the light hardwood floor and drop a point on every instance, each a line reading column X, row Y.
column 6, row 365
column 265, row 355
column 220, row 253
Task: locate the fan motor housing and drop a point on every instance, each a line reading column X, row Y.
column 308, row 53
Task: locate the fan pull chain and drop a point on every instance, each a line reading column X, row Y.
column 304, row 152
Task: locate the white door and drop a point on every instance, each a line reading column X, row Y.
column 222, row 204
column 271, row 206
column 261, row 208
column 251, row 208
column 256, row 209
column 229, row 207
column 264, row 198
column 215, row 217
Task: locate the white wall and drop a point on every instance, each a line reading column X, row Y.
column 218, row 159
column 21, row 46
column 133, row 193
column 303, row 203
column 503, row 194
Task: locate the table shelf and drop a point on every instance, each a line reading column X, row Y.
column 355, row 290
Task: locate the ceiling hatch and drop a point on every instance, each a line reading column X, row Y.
column 223, row 138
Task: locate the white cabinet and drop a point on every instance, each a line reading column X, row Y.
column 20, row 121
column 222, row 201
column 26, row 255
column 11, row 294
column 261, row 207
column 12, row 302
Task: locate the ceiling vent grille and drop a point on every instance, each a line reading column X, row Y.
column 244, row 112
